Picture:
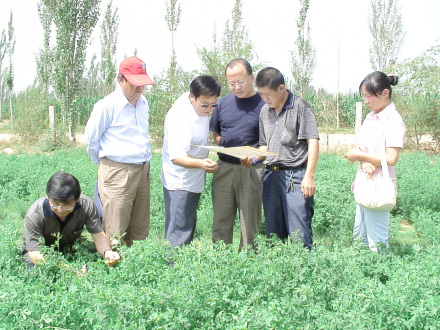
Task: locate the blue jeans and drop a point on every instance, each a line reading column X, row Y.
column 371, row 227
column 287, row 213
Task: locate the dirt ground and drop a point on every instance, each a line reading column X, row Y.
column 336, row 142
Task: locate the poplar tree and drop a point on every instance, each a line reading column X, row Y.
column 173, row 20
column 172, row 82
column 235, row 44
column 9, row 78
column 3, row 50
column 109, row 39
column 304, row 56
column 44, row 58
column 74, row 21
column 385, row 24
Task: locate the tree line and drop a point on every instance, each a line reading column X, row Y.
column 64, row 80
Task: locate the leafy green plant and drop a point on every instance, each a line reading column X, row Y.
column 339, row 284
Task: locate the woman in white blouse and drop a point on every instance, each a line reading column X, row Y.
column 383, row 128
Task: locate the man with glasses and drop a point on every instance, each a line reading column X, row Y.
column 184, row 162
column 117, row 138
column 63, row 213
column 237, row 184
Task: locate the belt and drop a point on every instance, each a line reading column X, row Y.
column 275, row 167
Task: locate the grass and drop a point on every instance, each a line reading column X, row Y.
column 338, row 285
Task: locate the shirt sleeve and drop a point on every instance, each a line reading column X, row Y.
column 262, row 135
column 179, row 138
column 95, row 128
column 308, row 129
column 93, row 220
column 395, row 132
column 33, row 226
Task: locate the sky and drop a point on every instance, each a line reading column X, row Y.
column 339, row 34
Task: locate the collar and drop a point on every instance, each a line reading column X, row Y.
column 121, row 101
column 384, row 114
column 290, row 101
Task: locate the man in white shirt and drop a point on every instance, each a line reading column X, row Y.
column 184, row 163
column 117, row 138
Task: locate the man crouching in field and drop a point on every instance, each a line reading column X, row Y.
column 63, row 212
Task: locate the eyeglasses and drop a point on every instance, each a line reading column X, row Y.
column 207, row 105
column 367, row 97
column 240, row 83
column 59, row 207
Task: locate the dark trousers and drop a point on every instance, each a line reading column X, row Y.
column 287, row 213
column 180, row 216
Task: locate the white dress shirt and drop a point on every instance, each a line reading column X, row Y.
column 118, row 131
column 183, row 130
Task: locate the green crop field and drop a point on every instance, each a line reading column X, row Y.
column 338, row 285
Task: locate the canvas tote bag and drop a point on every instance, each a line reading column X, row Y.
column 377, row 192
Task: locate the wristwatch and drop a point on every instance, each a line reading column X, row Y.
column 254, row 160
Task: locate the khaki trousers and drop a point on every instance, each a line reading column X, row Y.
column 124, row 190
column 237, row 187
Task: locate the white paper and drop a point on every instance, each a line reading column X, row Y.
column 239, row 152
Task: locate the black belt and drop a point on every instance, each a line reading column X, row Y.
column 275, row 167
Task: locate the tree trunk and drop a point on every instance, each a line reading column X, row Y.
column 10, row 110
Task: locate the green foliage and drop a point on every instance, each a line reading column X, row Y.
column 283, row 286
column 235, row 44
column 9, row 74
column 419, row 95
column 385, row 24
column 44, row 58
column 162, row 95
column 31, row 118
column 414, row 182
column 74, row 21
column 3, row 49
column 109, row 39
column 304, row 56
column 85, row 105
column 324, row 105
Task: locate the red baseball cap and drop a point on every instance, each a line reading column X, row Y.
column 135, row 72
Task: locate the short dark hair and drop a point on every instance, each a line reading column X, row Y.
column 205, row 85
column 377, row 81
column 63, row 187
column 269, row 77
column 241, row 61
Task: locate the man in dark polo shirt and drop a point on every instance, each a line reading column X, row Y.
column 63, row 211
column 237, row 183
column 288, row 128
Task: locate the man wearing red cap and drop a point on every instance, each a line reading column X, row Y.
column 117, row 138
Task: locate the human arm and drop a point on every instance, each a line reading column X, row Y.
column 217, row 138
column 207, row 164
column 102, row 244
column 248, row 161
column 308, row 186
column 95, row 128
column 370, row 162
column 33, row 232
